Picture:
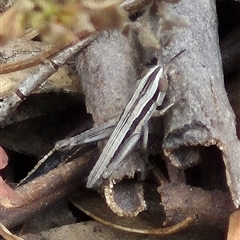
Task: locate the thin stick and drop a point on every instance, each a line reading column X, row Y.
column 10, row 103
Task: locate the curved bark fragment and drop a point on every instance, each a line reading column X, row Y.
column 202, row 115
column 109, row 65
column 109, row 69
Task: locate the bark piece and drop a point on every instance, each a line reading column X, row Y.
column 211, row 208
column 117, row 198
column 109, row 68
column 202, row 115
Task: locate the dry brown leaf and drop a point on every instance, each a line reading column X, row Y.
column 60, row 22
column 11, row 26
column 145, row 223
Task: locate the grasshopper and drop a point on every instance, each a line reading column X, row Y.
column 132, row 123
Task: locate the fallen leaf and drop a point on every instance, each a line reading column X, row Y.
column 149, row 223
